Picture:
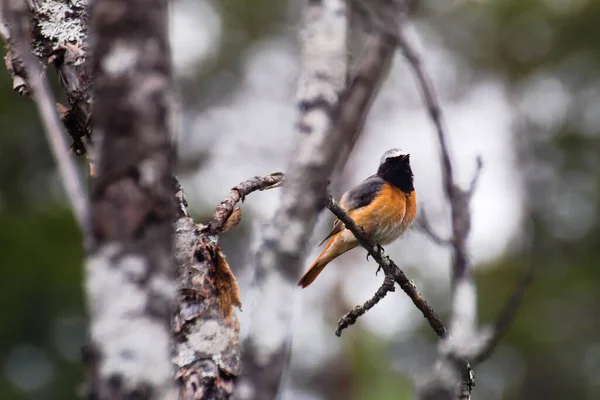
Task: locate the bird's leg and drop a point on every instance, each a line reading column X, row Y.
column 381, row 251
column 379, row 248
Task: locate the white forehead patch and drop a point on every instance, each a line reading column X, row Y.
column 392, row 153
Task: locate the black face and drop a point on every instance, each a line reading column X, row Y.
column 397, row 171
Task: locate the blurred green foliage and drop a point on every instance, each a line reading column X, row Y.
column 515, row 42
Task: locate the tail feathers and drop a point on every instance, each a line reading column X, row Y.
column 312, row 273
column 327, row 255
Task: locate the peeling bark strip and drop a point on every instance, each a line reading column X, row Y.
column 130, row 273
column 206, row 330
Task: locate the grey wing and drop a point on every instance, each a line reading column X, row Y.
column 363, row 194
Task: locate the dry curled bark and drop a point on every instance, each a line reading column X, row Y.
column 130, row 278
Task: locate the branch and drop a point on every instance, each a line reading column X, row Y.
column 370, row 57
column 130, row 279
column 59, row 35
column 458, row 198
column 238, row 193
column 390, row 269
column 465, row 342
column 350, row 318
column 28, row 77
column 475, row 179
column 452, row 369
column 60, row 29
column 423, row 224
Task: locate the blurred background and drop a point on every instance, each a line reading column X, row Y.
column 519, row 82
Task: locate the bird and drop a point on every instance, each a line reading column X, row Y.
column 384, row 205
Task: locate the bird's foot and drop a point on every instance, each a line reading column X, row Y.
column 378, row 269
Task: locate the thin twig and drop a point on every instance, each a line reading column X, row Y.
column 464, row 310
column 350, row 318
column 424, row 226
column 238, row 193
column 475, row 179
column 458, row 198
column 389, row 268
column 44, row 101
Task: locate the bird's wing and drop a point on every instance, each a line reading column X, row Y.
column 360, row 196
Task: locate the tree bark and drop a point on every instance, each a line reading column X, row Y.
column 130, row 274
column 279, row 258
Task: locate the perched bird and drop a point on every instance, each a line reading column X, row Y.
column 384, row 205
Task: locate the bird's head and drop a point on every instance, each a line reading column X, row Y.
column 394, row 167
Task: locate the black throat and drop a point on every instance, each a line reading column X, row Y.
column 397, row 172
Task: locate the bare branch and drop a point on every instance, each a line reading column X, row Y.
column 370, row 56
column 465, row 340
column 238, row 193
column 475, row 179
column 350, row 318
column 389, row 268
column 433, row 108
column 423, row 225
column 458, row 199
column 32, row 79
column 452, row 377
column 60, row 30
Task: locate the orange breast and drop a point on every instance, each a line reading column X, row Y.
column 388, row 216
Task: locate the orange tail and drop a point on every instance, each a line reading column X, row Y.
column 326, row 256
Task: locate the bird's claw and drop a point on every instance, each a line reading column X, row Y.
column 379, row 250
column 378, row 269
